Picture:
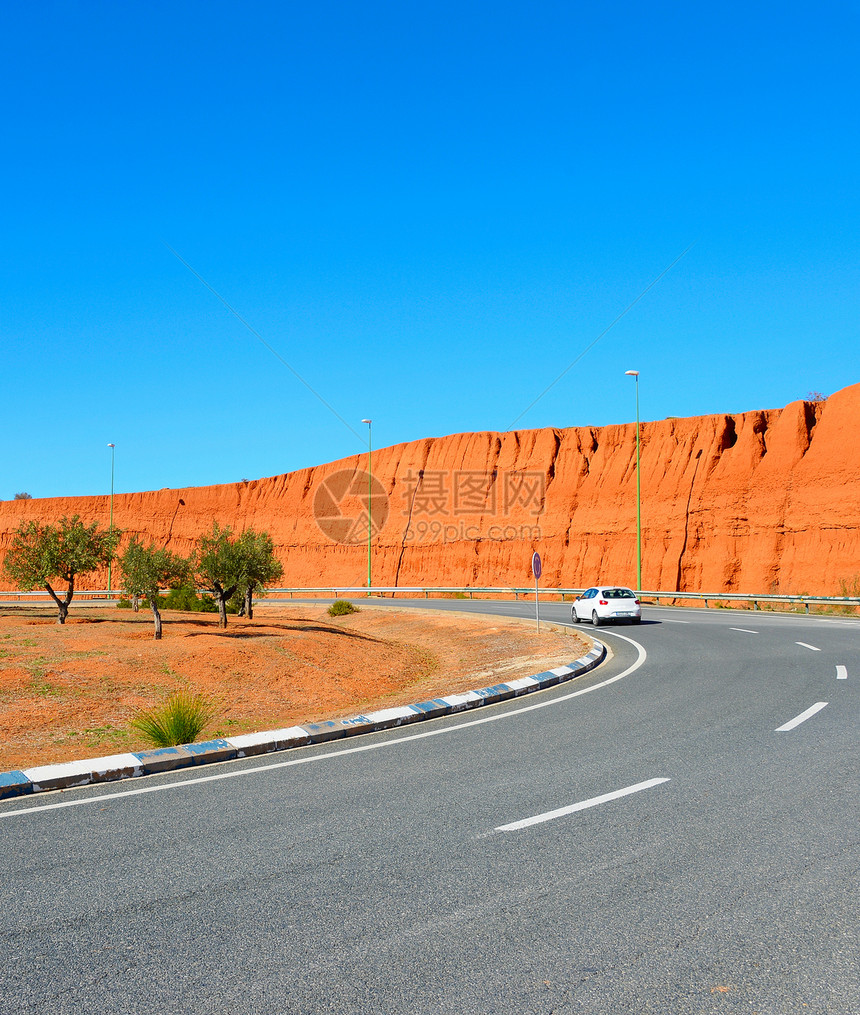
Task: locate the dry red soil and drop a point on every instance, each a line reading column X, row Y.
column 68, row 692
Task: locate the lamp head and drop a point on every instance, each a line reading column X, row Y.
column 631, row 373
column 368, row 421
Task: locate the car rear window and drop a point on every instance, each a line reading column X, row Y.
column 619, row 594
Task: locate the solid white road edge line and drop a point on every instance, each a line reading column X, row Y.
column 230, row 774
column 811, row 648
column 817, row 707
column 581, row 806
column 841, row 672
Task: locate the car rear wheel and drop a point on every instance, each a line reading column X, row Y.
column 595, row 619
column 573, row 617
column 637, row 620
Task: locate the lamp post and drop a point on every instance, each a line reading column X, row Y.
column 110, row 561
column 369, row 496
column 635, row 373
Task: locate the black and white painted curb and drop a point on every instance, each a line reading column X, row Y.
column 128, row 766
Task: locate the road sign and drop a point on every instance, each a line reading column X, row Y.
column 536, row 572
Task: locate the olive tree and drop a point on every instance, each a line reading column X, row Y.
column 220, row 566
column 41, row 554
column 261, row 567
column 228, row 564
column 147, row 569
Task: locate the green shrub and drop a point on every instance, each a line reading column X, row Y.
column 123, row 604
column 208, row 604
column 185, row 598
column 341, row 607
column 182, row 598
column 180, row 720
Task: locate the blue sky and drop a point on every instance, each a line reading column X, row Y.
column 427, row 211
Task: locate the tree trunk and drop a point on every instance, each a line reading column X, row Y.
column 70, row 591
column 62, row 607
column 221, row 600
column 222, row 597
column 155, row 613
column 249, row 602
column 135, row 602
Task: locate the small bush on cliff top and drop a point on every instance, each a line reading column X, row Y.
column 341, row 607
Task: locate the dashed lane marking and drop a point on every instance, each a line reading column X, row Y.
column 583, row 805
column 797, row 720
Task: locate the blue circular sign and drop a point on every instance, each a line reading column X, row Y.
column 536, row 564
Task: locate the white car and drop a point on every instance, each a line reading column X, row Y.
column 606, row 602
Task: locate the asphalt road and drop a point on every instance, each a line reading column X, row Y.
column 447, row 868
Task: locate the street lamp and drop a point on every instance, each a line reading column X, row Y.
column 369, row 495
column 110, row 559
column 635, row 373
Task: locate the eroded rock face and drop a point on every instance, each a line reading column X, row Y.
column 756, row 502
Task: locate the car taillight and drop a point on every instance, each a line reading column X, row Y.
column 637, row 602
column 603, row 602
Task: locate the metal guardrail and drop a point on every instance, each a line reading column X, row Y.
column 407, row 592
column 674, row 596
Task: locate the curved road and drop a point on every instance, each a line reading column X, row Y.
column 678, row 840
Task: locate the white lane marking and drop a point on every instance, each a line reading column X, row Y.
column 743, row 630
column 811, row 648
column 667, row 621
column 581, row 806
column 808, row 714
column 640, row 659
column 841, row 672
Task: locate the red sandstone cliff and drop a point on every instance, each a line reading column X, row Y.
column 760, row 501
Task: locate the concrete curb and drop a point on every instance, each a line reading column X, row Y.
column 128, row 766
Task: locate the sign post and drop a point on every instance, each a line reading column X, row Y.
column 536, row 569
